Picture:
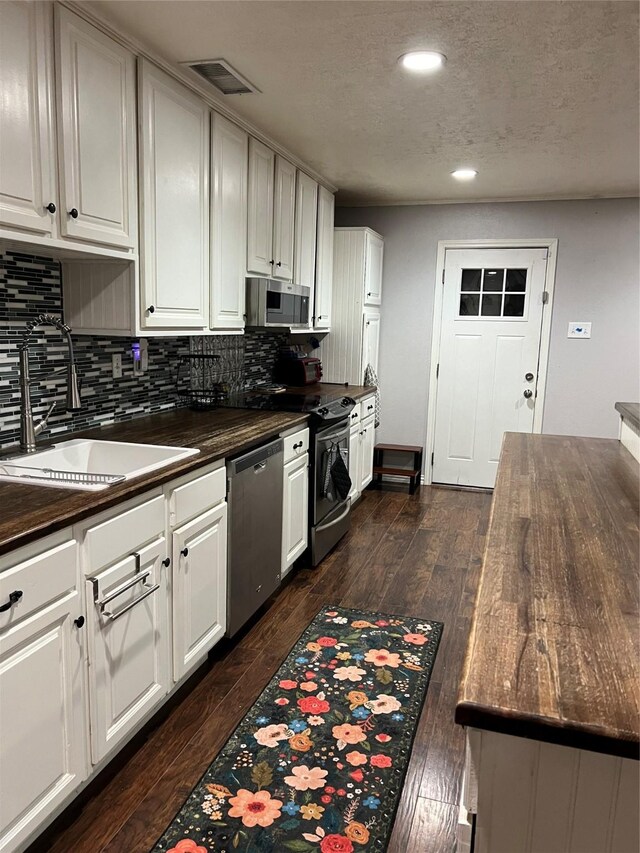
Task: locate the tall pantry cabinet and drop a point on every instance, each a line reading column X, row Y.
column 357, row 295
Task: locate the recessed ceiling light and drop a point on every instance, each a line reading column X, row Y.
column 464, row 174
column 423, row 60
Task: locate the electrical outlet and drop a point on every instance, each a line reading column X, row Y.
column 579, row 330
column 116, row 365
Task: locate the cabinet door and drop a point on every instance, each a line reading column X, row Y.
column 42, row 709
column 129, row 645
column 354, row 461
column 27, row 153
column 367, row 443
column 174, row 170
column 370, row 340
column 305, row 231
column 324, row 259
column 284, row 206
column 229, row 147
column 260, row 260
column 199, row 588
column 97, row 134
column 295, row 511
column 374, row 248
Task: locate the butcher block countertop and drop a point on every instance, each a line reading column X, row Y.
column 553, row 650
column 29, row 512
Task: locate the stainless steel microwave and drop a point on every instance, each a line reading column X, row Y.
column 277, row 303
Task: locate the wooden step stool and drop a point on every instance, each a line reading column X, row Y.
column 414, row 474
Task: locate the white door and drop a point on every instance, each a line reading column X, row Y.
column 174, row 173
column 284, row 206
column 199, row 588
column 129, row 645
column 305, row 232
column 355, row 447
column 324, row 259
column 229, row 147
column 97, row 133
column 27, row 152
column 295, row 510
column 489, row 348
column 374, row 250
column 367, row 443
column 370, row 340
column 260, row 260
column 42, row 714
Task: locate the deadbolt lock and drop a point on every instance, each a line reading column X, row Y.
column 529, row 377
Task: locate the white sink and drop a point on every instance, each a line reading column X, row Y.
column 70, row 464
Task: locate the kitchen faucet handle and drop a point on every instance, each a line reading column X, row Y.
column 45, row 420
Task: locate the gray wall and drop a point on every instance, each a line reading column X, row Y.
column 597, row 279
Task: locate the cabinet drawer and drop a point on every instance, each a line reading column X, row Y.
column 368, row 407
column 123, row 534
column 296, row 444
column 354, row 417
column 41, row 579
column 195, row 496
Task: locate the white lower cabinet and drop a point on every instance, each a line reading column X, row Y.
column 42, row 687
column 295, row 511
column 367, row 443
column 354, row 461
column 128, row 644
column 362, row 439
column 199, row 560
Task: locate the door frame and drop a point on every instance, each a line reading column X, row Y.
column 549, row 243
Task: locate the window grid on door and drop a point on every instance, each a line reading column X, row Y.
column 492, row 292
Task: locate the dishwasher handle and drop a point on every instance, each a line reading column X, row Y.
column 257, row 459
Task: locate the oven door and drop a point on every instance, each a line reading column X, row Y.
column 325, row 497
column 287, row 304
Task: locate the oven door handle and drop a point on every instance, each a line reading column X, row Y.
column 343, row 433
column 335, row 520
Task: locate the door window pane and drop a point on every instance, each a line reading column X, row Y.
column 469, row 305
column 471, row 280
column 493, row 280
column 513, row 305
column 516, row 281
column 491, row 304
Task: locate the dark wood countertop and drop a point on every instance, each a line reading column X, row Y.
column 335, row 390
column 29, row 512
column 630, row 412
column 553, row 649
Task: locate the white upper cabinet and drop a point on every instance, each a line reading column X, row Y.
column 174, row 174
column 305, row 233
column 324, row 259
column 229, row 160
column 284, row 205
column 27, row 152
column 97, row 134
column 374, row 247
column 370, row 339
column 260, row 260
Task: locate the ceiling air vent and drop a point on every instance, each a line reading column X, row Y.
column 220, row 74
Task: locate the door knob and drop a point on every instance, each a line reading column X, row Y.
column 51, row 207
column 528, row 393
column 529, row 377
column 73, row 213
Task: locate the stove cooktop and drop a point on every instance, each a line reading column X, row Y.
column 322, row 406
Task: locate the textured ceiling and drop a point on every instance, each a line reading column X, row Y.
column 540, row 97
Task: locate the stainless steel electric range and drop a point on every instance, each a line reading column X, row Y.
column 329, row 514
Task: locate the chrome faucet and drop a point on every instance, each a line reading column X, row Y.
column 28, row 429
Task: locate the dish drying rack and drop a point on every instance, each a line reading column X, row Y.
column 194, row 385
column 77, row 478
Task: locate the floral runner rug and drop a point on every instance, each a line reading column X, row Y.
column 318, row 763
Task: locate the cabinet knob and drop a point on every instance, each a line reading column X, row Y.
column 73, row 213
column 79, row 622
column 184, row 552
column 51, row 207
column 279, row 264
column 151, row 309
column 166, row 562
column 369, row 294
column 272, row 262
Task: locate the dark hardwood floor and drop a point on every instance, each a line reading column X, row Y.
column 417, row 555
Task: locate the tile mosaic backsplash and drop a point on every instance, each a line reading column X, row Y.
column 30, row 285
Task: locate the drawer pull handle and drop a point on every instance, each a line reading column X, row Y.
column 101, row 602
column 297, row 445
column 148, row 591
column 185, row 552
column 13, row 598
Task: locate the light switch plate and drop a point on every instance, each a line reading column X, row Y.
column 579, row 330
column 116, row 365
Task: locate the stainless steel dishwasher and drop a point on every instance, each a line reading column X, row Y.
column 255, row 531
